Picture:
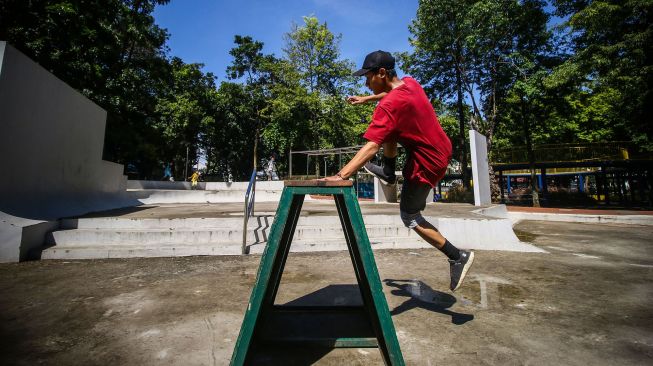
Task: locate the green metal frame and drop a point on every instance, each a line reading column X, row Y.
column 369, row 325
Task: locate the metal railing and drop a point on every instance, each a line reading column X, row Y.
column 249, row 208
column 563, row 152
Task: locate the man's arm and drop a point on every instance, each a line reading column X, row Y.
column 363, row 155
column 355, row 99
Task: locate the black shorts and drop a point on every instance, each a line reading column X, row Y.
column 413, row 197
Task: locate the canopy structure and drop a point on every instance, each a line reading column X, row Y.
column 324, row 152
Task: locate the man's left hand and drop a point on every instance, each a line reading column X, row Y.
column 331, row 178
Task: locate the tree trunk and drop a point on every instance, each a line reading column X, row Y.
column 495, row 189
column 255, row 145
column 461, row 130
column 531, row 155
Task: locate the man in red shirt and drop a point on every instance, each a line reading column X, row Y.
column 405, row 115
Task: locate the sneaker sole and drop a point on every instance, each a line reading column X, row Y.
column 468, row 265
column 383, row 181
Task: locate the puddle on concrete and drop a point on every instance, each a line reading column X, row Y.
column 525, row 235
column 470, row 292
column 509, row 292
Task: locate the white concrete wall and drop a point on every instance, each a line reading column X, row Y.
column 51, row 142
column 480, row 168
column 18, row 237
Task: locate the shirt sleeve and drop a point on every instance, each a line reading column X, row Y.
column 382, row 127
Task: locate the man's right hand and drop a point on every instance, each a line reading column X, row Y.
column 355, row 100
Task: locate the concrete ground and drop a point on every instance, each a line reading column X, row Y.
column 586, row 302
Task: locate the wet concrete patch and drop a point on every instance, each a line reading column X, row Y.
column 525, row 236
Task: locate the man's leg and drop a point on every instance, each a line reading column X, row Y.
column 386, row 174
column 390, row 150
column 413, row 201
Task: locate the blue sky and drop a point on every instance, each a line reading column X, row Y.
column 203, row 31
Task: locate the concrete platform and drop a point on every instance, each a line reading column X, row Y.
column 607, row 216
column 158, row 192
column 217, row 229
column 586, row 302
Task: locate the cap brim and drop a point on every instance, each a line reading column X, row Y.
column 361, row 72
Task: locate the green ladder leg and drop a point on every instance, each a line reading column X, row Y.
column 369, row 325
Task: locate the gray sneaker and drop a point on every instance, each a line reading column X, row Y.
column 378, row 172
column 459, row 268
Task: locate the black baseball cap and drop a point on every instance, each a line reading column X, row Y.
column 376, row 60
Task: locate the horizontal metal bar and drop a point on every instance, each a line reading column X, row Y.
column 636, row 164
column 317, row 308
column 319, row 190
column 326, row 342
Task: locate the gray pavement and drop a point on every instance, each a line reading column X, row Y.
column 587, row 301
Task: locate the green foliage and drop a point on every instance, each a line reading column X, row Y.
column 293, row 103
column 247, row 58
column 314, row 52
column 184, row 108
column 611, row 67
column 306, row 108
column 494, row 65
column 476, row 48
column 588, row 80
column 229, row 138
column 439, row 61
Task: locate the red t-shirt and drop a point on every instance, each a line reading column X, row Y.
column 407, row 117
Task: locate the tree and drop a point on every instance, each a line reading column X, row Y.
column 440, row 59
column 183, row 111
column 611, row 68
column 307, row 107
column 229, row 136
column 315, row 51
column 479, row 48
column 248, row 62
column 510, row 46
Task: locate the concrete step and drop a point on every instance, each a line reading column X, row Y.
column 177, row 223
column 336, row 244
column 318, row 229
column 414, row 242
column 183, row 249
column 138, row 250
column 82, row 237
column 79, row 237
column 86, row 251
column 236, row 222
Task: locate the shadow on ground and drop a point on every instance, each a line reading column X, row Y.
column 420, row 295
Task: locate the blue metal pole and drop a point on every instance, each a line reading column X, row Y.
column 539, row 181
